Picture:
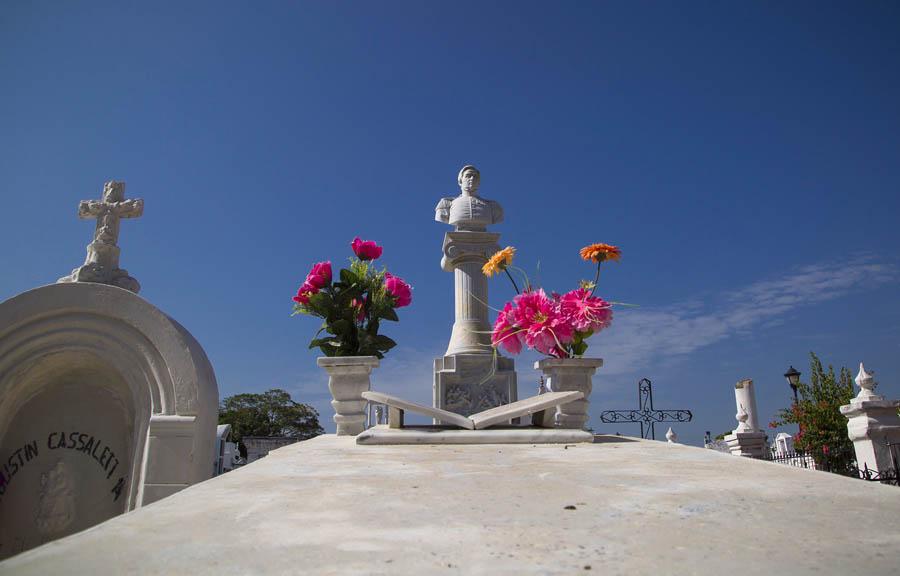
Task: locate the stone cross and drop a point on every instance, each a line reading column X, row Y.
column 102, row 262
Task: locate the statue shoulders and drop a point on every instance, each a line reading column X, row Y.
column 496, row 211
column 442, row 210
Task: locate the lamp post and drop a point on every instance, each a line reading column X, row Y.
column 793, row 378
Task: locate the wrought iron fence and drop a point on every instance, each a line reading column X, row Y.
column 840, row 461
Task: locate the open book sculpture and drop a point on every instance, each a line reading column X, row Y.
column 475, row 429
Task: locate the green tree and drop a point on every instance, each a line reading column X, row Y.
column 823, row 429
column 271, row 413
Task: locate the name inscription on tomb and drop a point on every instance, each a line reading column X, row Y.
column 86, row 444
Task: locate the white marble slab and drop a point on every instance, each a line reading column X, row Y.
column 524, row 407
column 442, row 415
column 484, row 419
column 382, row 435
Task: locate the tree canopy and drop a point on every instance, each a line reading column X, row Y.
column 823, row 429
column 272, row 413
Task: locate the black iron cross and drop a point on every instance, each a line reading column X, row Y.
column 645, row 414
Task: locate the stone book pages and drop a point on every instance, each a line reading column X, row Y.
column 481, row 420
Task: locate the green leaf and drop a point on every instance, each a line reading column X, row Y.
column 383, row 343
column 389, row 314
column 319, row 342
column 348, row 277
column 340, row 327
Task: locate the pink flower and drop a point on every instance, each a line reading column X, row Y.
column 545, row 329
column 400, row 290
column 585, row 313
column 304, row 293
column 505, row 332
column 366, row 249
column 319, row 276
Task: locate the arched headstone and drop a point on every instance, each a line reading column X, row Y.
column 106, row 404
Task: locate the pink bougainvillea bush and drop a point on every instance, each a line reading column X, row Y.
column 353, row 305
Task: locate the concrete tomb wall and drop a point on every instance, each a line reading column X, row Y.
column 106, row 404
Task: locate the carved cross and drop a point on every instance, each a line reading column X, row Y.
column 109, row 211
column 645, row 414
column 102, row 262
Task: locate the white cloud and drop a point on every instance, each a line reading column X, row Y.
column 640, row 337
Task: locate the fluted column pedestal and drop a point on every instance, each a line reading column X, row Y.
column 468, row 378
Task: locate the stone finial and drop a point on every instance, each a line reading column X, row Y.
column 671, row 436
column 102, row 262
column 866, row 383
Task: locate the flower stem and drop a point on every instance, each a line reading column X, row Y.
column 511, row 280
column 596, row 278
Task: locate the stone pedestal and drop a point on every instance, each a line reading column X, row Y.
column 567, row 375
column 873, row 424
column 749, row 444
column 348, row 378
column 469, row 378
column 470, row 383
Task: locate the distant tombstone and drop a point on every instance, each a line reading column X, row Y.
column 106, row 404
column 747, row 439
column 260, row 446
column 784, row 443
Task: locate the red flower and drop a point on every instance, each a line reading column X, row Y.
column 400, row 290
column 366, row 249
column 304, row 293
column 320, row 275
column 318, row 278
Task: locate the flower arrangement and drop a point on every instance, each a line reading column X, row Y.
column 353, row 306
column 556, row 325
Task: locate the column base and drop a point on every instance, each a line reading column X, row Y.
column 464, row 383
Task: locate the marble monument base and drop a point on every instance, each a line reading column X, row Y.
column 471, row 383
column 748, row 444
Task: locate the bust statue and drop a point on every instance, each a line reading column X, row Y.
column 467, row 211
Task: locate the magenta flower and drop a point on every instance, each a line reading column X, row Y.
column 400, row 290
column 505, row 332
column 585, row 313
column 545, row 329
column 319, row 276
column 304, row 293
column 366, row 249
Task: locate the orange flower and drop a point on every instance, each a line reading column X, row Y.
column 601, row 252
column 499, row 261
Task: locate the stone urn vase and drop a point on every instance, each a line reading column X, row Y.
column 566, row 375
column 348, row 378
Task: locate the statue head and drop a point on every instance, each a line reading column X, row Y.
column 469, row 178
column 113, row 191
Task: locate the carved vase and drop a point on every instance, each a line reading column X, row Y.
column 566, row 375
column 348, row 378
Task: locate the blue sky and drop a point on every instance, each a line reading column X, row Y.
column 743, row 155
